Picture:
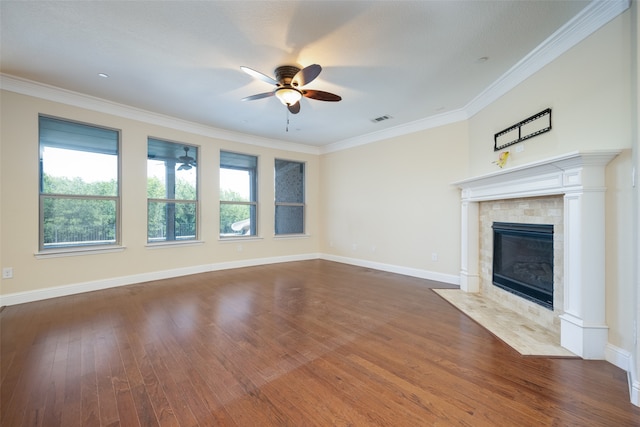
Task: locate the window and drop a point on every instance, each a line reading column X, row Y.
column 172, row 194
column 289, row 197
column 238, row 198
column 79, row 190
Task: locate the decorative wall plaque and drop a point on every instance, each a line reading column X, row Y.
column 528, row 128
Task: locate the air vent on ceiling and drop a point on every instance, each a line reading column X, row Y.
column 381, row 119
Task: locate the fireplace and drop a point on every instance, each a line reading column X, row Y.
column 579, row 178
column 523, row 260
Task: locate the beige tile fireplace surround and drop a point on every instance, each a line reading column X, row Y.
column 534, row 210
column 567, row 191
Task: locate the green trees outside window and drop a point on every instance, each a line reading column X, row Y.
column 238, row 194
column 172, row 196
column 79, row 186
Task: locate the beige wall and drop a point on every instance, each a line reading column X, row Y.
column 392, row 201
column 588, row 90
column 19, row 176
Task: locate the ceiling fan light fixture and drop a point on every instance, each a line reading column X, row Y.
column 289, row 83
column 288, row 95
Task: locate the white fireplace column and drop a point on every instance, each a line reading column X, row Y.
column 583, row 328
column 470, row 257
column 580, row 178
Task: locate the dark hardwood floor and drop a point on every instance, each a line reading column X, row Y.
column 296, row 344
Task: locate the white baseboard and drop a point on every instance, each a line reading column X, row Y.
column 635, row 391
column 618, row 357
column 634, row 382
column 96, row 285
column 625, row 361
column 407, row 271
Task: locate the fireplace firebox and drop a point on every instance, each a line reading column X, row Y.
column 523, row 260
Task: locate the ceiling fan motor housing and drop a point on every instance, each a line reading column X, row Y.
column 285, row 73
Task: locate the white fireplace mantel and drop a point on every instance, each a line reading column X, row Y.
column 580, row 178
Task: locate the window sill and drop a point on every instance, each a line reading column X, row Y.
column 238, row 238
column 65, row 252
column 174, row 243
column 290, row 236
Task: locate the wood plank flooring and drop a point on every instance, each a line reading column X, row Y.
column 310, row 343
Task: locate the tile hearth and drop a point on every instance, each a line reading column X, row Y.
column 523, row 335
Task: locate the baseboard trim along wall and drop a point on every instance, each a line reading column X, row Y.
column 407, row 271
column 60, row 291
column 624, row 360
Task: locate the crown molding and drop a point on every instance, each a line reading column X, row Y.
column 76, row 99
column 589, row 20
column 400, row 130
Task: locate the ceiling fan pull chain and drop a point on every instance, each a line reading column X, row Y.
column 287, row 127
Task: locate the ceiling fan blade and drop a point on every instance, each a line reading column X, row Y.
column 258, row 96
column 295, row 108
column 306, row 75
column 321, row 95
column 258, row 75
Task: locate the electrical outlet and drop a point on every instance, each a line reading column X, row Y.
column 434, row 257
column 7, row 273
column 518, row 148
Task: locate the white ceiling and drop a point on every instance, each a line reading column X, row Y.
column 411, row 60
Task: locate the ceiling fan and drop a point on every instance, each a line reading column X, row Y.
column 289, row 82
column 187, row 161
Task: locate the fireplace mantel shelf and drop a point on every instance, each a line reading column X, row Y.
column 556, row 175
column 580, row 178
